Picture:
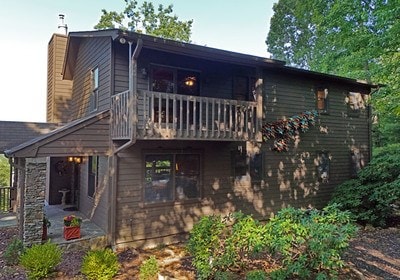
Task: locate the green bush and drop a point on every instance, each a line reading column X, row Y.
column 100, row 264
column 256, row 275
column 41, row 259
column 309, row 243
column 219, row 244
column 14, row 251
column 369, row 197
column 149, row 269
column 306, row 244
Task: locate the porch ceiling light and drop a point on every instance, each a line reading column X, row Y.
column 76, row 160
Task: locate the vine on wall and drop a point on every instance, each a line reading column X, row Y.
column 285, row 130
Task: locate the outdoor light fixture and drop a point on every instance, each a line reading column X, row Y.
column 122, row 40
column 76, row 160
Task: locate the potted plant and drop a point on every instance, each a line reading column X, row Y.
column 72, row 227
column 45, row 226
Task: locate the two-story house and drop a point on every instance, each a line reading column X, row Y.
column 159, row 133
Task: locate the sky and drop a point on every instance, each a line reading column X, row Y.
column 27, row 26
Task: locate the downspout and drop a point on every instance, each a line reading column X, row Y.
column 132, row 86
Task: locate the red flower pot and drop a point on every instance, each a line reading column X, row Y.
column 72, row 232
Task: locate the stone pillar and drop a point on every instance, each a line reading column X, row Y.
column 35, row 185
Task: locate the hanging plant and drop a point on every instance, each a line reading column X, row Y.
column 285, row 130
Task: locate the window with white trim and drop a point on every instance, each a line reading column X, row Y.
column 94, row 95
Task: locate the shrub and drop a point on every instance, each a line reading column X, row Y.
column 41, row 259
column 256, row 275
column 149, row 269
column 309, row 243
column 14, row 251
column 369, row 197
column 100, row 264
column 218, row 244
column 306, row 244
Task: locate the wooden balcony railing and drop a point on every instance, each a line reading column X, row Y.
column 174, row 116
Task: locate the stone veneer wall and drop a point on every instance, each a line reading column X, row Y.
column 34, row 195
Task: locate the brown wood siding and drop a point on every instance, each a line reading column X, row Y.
column 58, row 90
column 294, row 173
column 92, row 139
column 95, row 208
column 136, row 222
column 290, row 178
column 95, row 52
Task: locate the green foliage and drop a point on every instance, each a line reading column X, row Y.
column 149, row 269
column 369, row 197
column 309, row 242
column 220, row 243
column 100, row 264
column 145, row 18
column 306, row 243
column 256, row 275
column 41, row 259
column 13, row 251
column 357, row 39
column 4, row 171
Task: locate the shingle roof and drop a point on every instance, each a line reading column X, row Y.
column 14, row 133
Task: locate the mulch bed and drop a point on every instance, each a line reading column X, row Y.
column 373, row 254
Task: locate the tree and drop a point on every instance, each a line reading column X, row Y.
column 147, row 19
column 4, row 171
column 353, row 38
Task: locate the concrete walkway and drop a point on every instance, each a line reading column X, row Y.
column 8, row 220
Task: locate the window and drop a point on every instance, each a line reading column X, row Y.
column 172, row 80
column 171, row 177
column 244, row 88
column 322, row 100
column 93, row 174
column 355, row 103
column 323, row 167
column 94, row 96
column 243, row 164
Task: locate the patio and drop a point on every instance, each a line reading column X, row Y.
column 92, row 236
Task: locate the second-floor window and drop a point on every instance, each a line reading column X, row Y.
column 94, row 95
column 173, row 80
column 322, row 99
column 355, row 103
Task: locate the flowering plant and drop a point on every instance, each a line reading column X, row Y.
column 72, row 221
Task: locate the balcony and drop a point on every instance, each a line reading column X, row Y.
column 157, row 115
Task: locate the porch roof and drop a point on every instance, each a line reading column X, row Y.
column 74, row 138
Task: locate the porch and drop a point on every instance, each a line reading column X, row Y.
column 158, row 115
column 92, row 236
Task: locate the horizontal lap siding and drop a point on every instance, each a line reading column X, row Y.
column 95, row 52
column 93, row 139
column 136, row 222
column 335, row 132
column 95, row 208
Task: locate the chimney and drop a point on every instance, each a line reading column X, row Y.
column 62, row 27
